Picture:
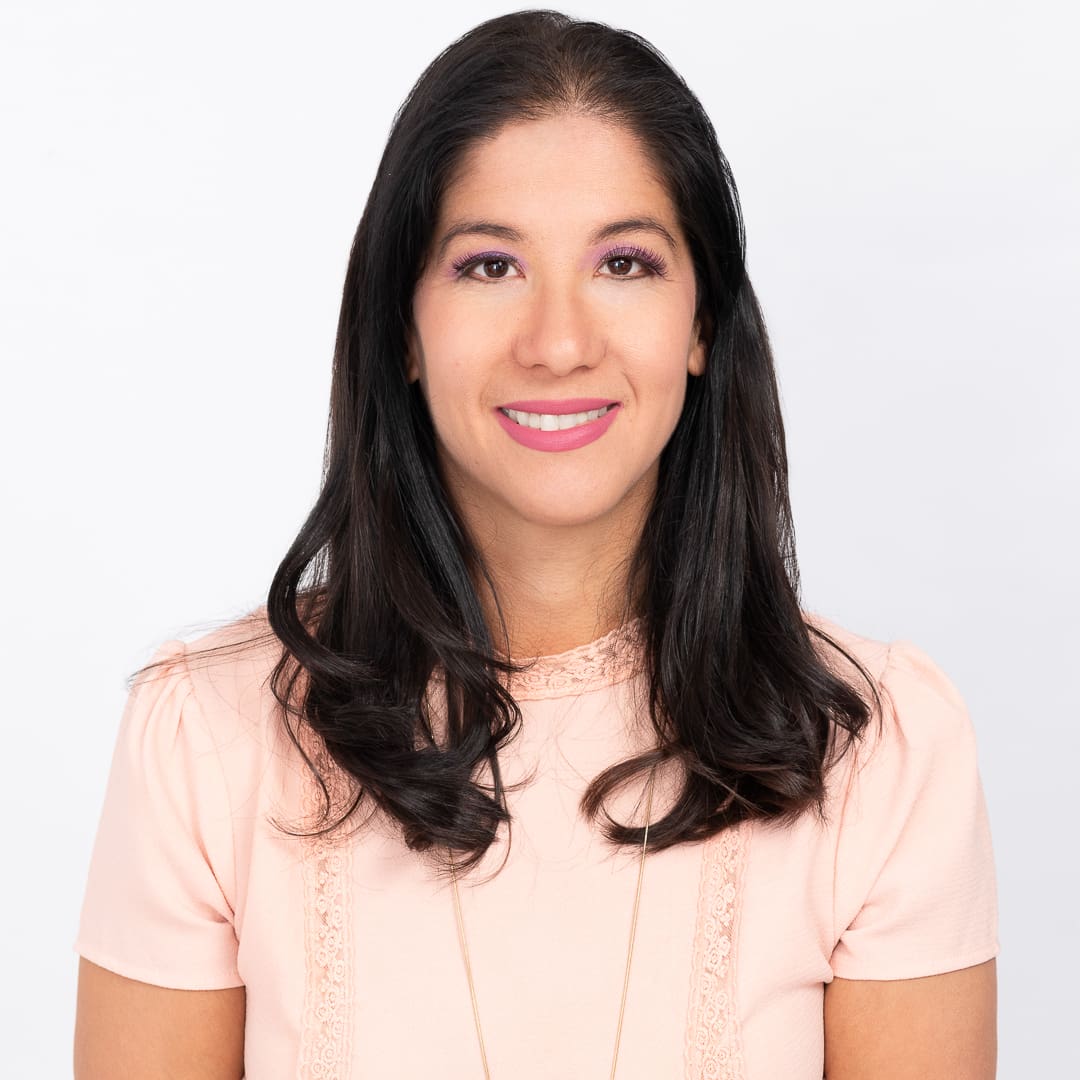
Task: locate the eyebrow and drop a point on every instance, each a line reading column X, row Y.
column 605, row 232
column 479, row 228
column 638, row 224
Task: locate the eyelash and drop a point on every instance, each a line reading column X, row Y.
column 650, row 260
column 463, row 265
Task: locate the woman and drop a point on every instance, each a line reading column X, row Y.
column 533, row 765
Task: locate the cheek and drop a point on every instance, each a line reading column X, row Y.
column 450, row 384
column 658, row 348
column 452, row 340
column 440, row 356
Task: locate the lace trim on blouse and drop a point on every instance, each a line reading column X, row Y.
column 610, row 659
column 713, row 1043
column 327, row 1022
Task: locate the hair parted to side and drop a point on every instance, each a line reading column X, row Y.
column 378, row 591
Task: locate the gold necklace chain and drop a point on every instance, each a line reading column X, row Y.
column 629, row 951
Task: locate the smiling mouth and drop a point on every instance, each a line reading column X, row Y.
column 553, row 421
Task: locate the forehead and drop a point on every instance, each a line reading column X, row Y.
column 564, row 167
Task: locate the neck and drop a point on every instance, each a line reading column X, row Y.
column 558, row 586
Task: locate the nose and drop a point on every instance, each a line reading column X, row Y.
column 557, row 330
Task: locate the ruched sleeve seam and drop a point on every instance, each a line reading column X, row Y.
column 859, row 760
column 208, row 728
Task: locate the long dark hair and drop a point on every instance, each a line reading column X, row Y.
column 379, row 590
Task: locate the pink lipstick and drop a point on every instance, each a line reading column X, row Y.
column 556, row 425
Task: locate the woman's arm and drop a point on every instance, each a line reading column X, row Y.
column 943, row 1027
column 128, row 1030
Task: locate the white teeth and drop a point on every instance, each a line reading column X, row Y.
column 555, row 421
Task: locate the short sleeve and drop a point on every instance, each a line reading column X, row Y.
column 158, row 901
column 915, row 891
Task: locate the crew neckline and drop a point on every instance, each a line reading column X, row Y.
column 611, row 658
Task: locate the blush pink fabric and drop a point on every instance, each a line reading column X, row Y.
column 348, row 947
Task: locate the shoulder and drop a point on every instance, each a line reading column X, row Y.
column 919, row 705
column 235, row 660
column 220, row 679
column 911, row 856
column 192, row 768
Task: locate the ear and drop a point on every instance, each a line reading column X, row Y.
column 695, row 362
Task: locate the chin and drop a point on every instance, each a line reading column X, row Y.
column 568, row 509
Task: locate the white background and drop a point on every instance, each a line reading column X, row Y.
column 178, row 192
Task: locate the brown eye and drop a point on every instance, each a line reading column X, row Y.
column 621, row 265
column 486, row 266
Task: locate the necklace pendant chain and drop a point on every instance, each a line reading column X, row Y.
column 629, row 951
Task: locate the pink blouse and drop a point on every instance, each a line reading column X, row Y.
column 348, row 945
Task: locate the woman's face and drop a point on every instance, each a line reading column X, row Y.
column 553, row 326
